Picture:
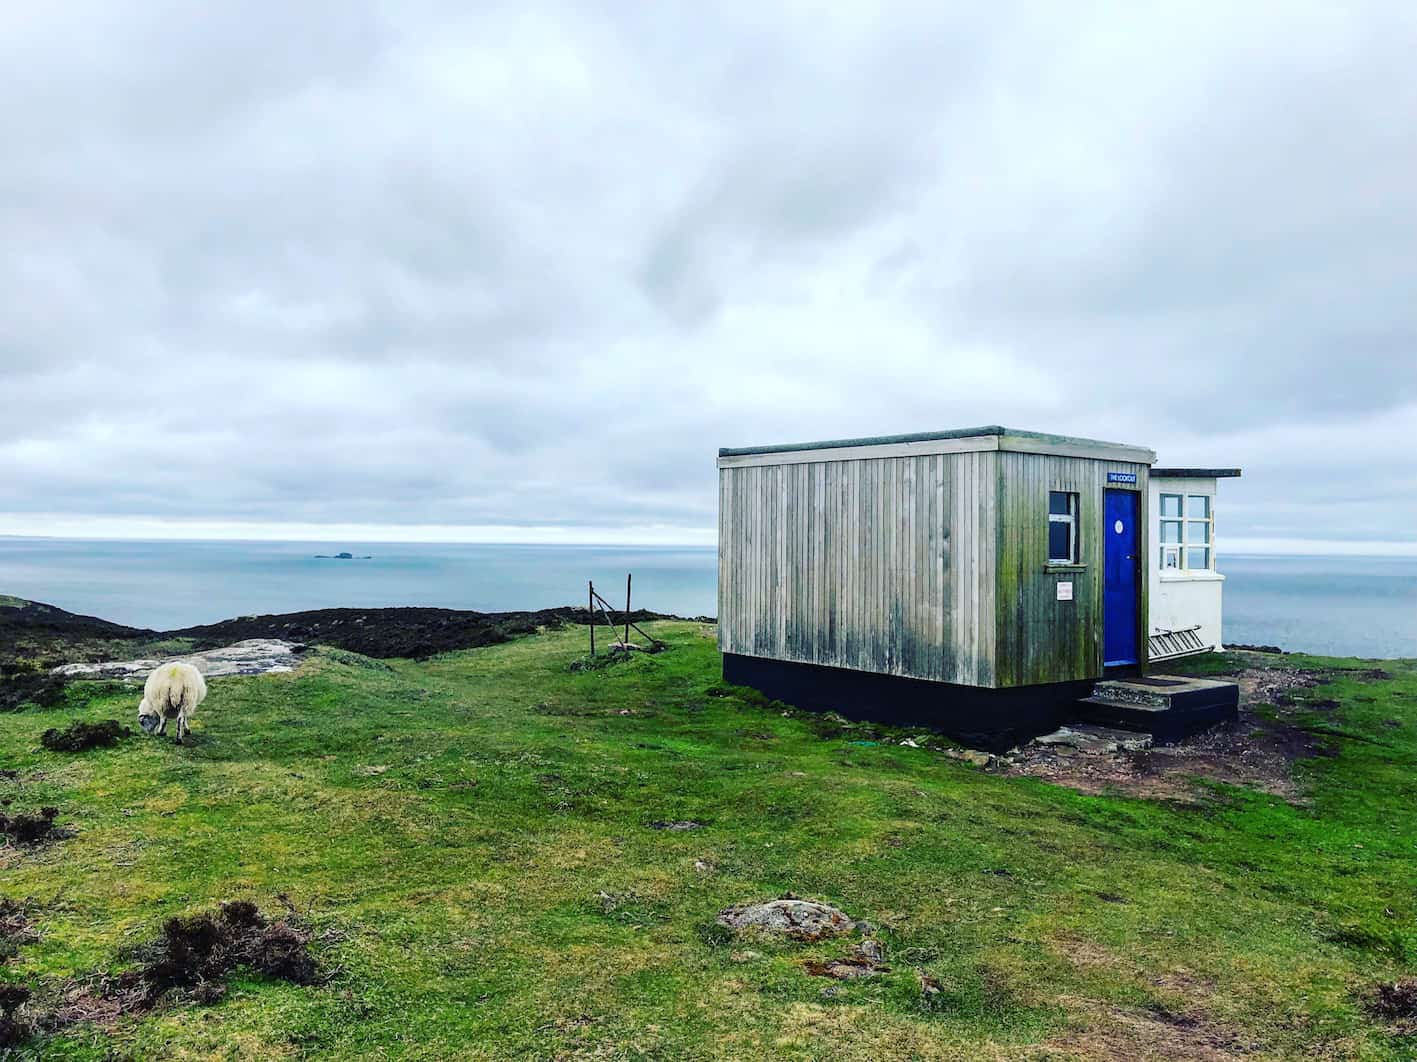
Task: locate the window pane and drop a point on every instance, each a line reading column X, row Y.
column 1170, row 558
column 1198, row 508
column 1058, row 502
column 1170, row 530
column 1171, row 505
column 1197, row 559
column 1198, row 532
column 1059, row 546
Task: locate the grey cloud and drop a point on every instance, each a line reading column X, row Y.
column 532, row 264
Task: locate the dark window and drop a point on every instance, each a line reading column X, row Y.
column 1062, row 527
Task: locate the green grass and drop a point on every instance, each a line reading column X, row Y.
column 450, row 826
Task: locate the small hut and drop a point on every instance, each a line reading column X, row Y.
column 979, row 581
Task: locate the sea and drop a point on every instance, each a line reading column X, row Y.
column 1338, row 605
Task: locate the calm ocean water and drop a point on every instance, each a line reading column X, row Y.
column 1358, row 606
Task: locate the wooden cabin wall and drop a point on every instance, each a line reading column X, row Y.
column 1039, row 638
column 885, row 565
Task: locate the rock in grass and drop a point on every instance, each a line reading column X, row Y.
column 788, row 916
column 80, row 736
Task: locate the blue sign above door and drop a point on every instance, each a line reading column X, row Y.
column 1121, row 477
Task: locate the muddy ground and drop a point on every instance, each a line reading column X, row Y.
column 1258, row 750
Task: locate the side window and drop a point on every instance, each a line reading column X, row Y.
column 1187, row 530
column 1171, row 531
column 1198, row 524
column 1062, row 527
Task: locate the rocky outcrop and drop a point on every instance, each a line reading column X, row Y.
column 789, row 916
column 255, row 656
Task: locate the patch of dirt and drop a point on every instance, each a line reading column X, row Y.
column 866, row 960
column 16, row 929
column 1147, row 1034
column 190, row 961
column 80, row 736
column 1396, row 1001
column 677, row 825
column 194, row 955
column 14, row 1028
column 788, row 916
column 33, row 829
column 1256, row 751
column 1275, row 685
column 31, row 689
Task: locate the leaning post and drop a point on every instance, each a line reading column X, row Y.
column 627, row 607
column 590, row 613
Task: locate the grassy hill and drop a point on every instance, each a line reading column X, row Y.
column 473, row 840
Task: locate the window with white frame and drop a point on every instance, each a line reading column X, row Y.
column 1187, row 532
column 1062, row 527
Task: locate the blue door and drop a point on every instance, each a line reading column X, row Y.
column 1119, row 580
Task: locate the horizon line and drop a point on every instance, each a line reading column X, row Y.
column 641, row 536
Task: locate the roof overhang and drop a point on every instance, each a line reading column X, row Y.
column 962, row 440
column 1195, row 473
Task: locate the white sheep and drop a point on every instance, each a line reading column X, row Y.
column 172, row 691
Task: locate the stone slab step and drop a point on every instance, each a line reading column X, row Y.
column 1164, row 691
column 1166, row 713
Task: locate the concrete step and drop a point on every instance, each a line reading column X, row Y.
column 1167, row 707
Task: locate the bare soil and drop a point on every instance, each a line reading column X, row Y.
column 16, row 929
column 29, row 830
column 1257, row 750
column 81, row 736
column 14, row 1028
column 1396, row 1001
column 1153, row 1034
column 194, row 955
column 190, row 961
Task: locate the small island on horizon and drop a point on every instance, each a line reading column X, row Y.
column 342, row 556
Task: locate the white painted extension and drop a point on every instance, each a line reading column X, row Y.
column 1184, row 611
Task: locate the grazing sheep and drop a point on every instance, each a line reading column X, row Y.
column 172, row 691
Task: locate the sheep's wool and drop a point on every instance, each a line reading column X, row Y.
column 173, row 690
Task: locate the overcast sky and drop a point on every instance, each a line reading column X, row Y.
column 517, row 272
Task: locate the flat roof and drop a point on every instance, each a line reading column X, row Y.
column 1195, row 473
column 1000, row 437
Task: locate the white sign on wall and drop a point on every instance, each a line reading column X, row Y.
column 1065, row 591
